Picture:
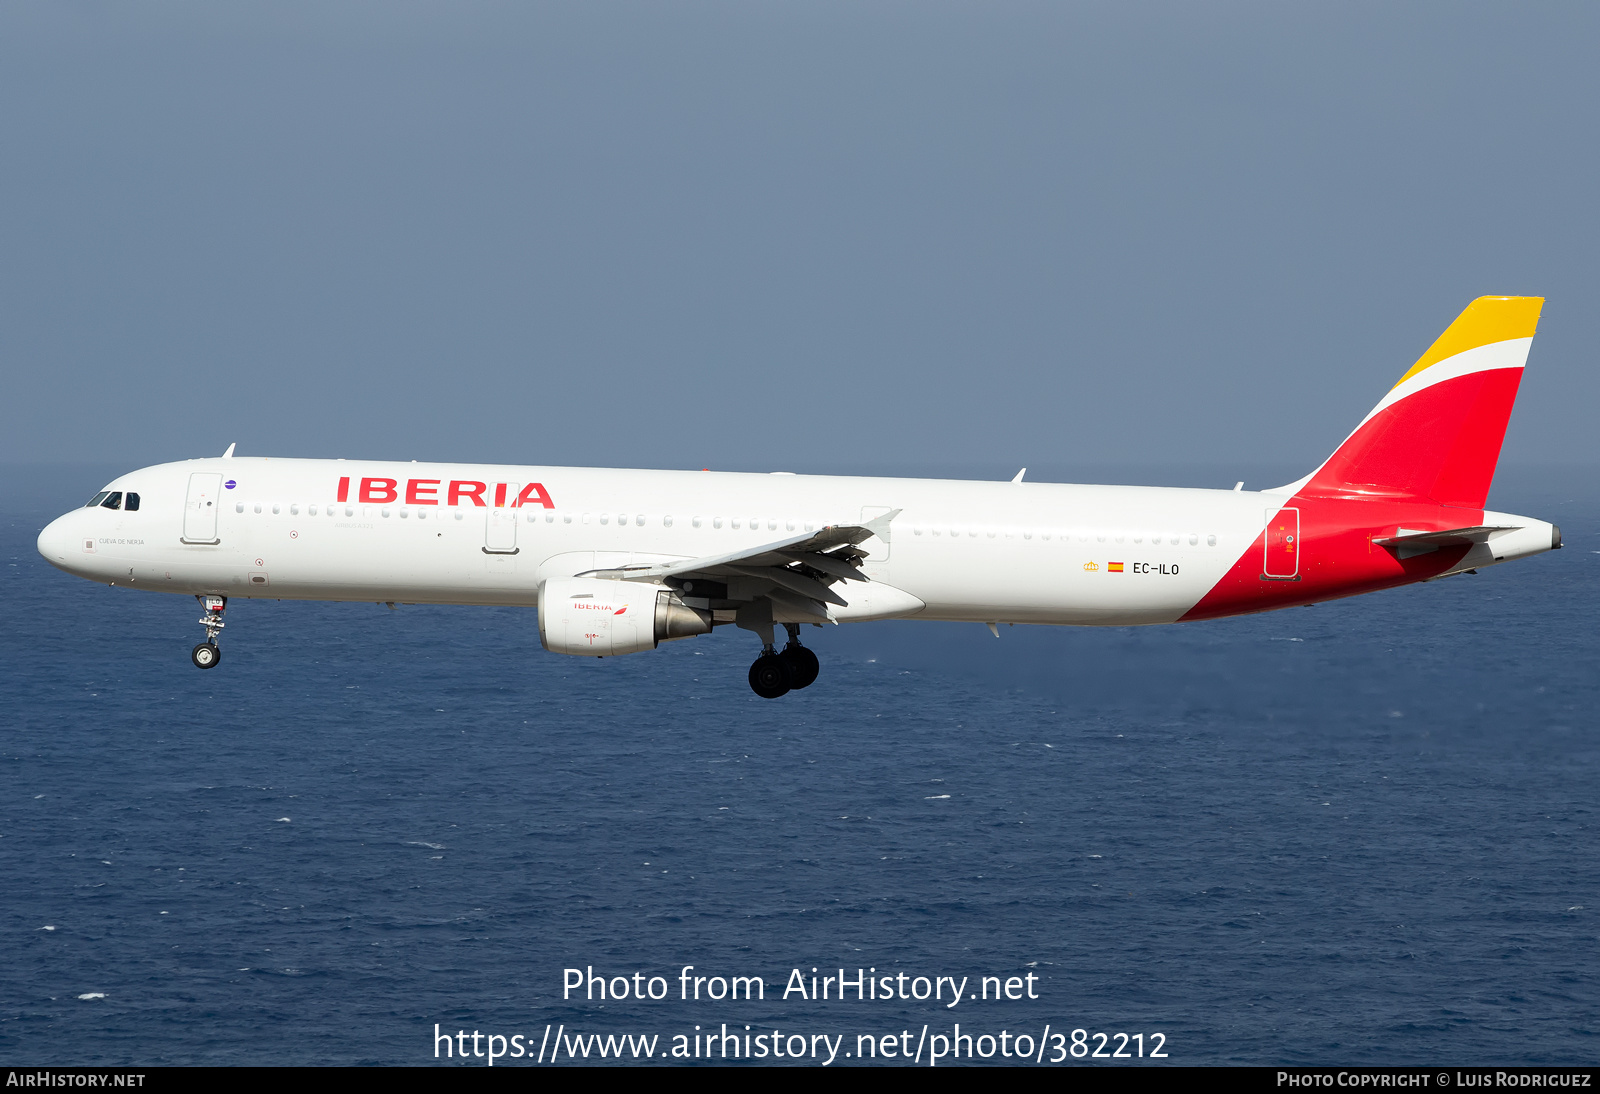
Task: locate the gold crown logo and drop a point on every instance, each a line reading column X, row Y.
column 1091, row 566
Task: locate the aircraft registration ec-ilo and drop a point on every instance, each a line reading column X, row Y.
column 618, row 561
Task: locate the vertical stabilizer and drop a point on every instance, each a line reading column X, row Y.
column 1437, row 434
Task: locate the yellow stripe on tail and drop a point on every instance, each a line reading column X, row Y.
column 1487, row 319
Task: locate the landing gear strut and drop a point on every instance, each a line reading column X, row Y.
column 207, row 654
column 775, row 674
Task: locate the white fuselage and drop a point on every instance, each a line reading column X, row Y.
column 957, row 550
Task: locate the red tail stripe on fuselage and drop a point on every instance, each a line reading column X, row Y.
column 1337, row 557
column 1424, row 463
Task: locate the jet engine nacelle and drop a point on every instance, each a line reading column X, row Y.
column 589, row 617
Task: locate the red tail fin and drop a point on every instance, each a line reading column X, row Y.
column 1437, row 434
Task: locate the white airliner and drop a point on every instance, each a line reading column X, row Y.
column 619, row 561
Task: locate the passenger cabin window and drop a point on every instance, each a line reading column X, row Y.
column 113, row 500
column 97, row 499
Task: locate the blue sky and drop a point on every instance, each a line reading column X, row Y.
column 873, row 236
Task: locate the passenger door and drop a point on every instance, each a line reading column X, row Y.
column 200, row 508
column 1282, row 561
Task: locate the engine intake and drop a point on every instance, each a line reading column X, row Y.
column 591, row 617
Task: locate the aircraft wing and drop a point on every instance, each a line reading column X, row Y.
column 797, row 573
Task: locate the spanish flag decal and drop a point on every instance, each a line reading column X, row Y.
column 1114, row 567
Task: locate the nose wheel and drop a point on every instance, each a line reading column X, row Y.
column 207, row 654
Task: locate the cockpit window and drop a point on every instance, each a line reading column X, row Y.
column 131, row 503
column 97, row 499
column 113, row 500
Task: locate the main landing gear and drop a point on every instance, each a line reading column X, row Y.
column 774, row 673
column 207, row 654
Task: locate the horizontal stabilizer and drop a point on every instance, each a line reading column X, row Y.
column 1453, row 537
column 1408, row 543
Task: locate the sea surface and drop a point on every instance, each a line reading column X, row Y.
column 1363, row 832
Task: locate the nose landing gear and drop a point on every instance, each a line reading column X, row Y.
column 207, row 654
column 775, row 674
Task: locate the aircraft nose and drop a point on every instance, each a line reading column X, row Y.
column 57, row 541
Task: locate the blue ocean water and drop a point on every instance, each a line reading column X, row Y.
column 1358, row 833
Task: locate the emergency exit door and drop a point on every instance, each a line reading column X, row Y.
column 1282, row 562
column 200, row 508
column 877, row 547
column 500, row 533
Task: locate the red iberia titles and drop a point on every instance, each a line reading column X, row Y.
column 380, row 490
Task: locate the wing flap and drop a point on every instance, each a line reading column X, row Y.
column 795, row 582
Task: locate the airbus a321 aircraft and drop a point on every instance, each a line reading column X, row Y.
column 620, row 561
